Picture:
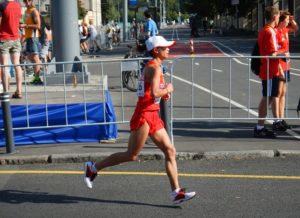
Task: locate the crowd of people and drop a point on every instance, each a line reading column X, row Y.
column 28, row 40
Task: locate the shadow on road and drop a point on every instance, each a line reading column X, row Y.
column 19, row 197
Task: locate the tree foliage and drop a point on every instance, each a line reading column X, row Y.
column 110, row 9
column 209, row 8
column 81, row 10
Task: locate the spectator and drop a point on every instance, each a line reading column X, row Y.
column 133, row 29
column 45, row 40
column 10, row 14
column 150, row 27
column 286, row 25
column 269, row 72
column 93, row 37
column 109, row 36
column 32, row 25
column 204, row 23
column 83, row 32
column 211, row 25
column 194, row 27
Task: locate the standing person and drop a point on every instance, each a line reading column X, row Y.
column 150, row 27
column 211, row 25
column 109, row 37
column 93, row 36
column 204, row 23
column 286, row 25
column 145, row 121
column 83, row 34
column 133, row 29
column 10, row 15
column 269, row 72
column 32, row 26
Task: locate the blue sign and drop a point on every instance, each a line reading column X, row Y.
column 132, row 2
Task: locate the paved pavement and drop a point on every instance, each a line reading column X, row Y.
column 187, row 150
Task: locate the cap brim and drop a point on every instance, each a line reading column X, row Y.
column 168, row 44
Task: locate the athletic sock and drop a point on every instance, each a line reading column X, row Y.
column 259, row 127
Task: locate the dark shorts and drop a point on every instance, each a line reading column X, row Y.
column 270, row 87
column 83, row 40
column 287, row 76
column 151, row 117
column 33, row 46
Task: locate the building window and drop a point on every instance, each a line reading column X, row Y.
column 47, row 7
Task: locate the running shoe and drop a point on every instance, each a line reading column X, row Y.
column 264, row 133
column 36, row 81
column 89, row 175
column 279, row 126
column 181, row 196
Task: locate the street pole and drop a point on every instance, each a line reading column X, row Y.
column 65, row 32
column 125, row 20
column 7, row 123
column 237, row 16
column 164, row 115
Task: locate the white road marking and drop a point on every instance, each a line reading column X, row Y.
column 217, row 70
column 290, row 132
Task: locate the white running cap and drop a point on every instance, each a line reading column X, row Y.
column 158, row 41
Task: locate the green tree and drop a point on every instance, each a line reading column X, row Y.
column 81, row 10
column 109, row 10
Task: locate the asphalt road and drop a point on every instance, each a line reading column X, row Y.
column 231, row 188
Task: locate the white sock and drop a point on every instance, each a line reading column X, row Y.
column 259, row 127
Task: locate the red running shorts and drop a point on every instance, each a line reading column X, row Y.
column 151, row 117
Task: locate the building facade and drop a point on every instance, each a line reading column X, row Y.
column 93, row 8
column 254, row 21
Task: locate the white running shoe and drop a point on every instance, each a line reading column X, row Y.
column 181, row 196
column 89, row 175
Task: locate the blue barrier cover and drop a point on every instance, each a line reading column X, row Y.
column 57, row 116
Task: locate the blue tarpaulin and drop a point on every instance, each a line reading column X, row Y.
column 57, row 114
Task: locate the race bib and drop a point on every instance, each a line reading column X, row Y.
column 140, row 88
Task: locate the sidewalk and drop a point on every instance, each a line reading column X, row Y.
column 187, row 149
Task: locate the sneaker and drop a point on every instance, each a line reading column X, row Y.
column 279, row 126
column 286, row 125
column 36, row 81
column 264, row 133
column 181, row 196
column 89, row 175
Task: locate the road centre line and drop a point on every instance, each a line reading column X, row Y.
column 203, row 175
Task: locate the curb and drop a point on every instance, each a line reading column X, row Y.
column 149, row 156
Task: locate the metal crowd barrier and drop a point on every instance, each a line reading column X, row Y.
column 206, row 88
column 223, row 88
column 78, row 82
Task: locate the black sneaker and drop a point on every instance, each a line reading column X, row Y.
column 279, row 126
column 264, row 133
column 286, row 125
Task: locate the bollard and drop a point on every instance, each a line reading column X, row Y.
column 7, row 123
column 164, row 114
